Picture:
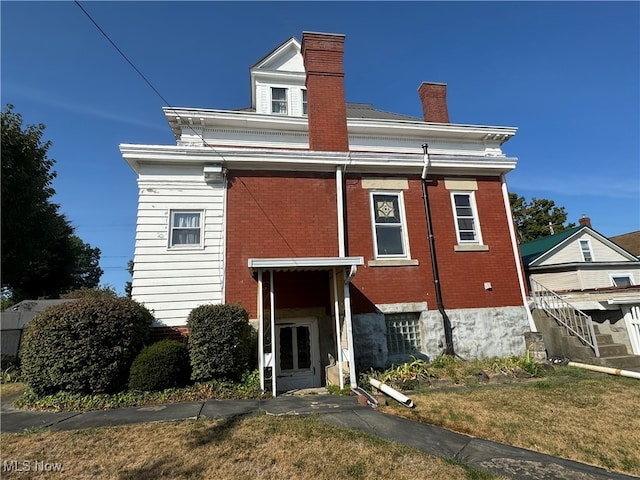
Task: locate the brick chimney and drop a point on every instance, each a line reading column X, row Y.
column 434, row 102
column 584, row 220
column 326, row 107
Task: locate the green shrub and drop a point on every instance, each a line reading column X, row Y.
column 162, row 365
column 220, row 340
column 85, row 346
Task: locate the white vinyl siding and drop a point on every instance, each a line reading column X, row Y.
column 171, row 281
column 571, row 252
column 587, row 278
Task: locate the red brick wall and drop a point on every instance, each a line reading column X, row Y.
column 462, row 274
column 276, row 215
column 294, row 215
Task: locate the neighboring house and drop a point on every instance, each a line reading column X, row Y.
column 310, row 212
column 629, row 241
column 15, row 319
column 594, row 275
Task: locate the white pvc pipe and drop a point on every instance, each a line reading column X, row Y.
column 610, row 371
column 393, row 393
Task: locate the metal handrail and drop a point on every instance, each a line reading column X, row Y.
column 575, row 321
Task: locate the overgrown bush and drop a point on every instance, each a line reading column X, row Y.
column 219, row 342
column 85, row 346
column 162, row 365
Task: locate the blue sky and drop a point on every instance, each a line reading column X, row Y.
column 567, row 74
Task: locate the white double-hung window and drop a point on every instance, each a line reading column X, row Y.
column 388, row 218
column 585, row 249
column 279, row 101
column 465, row 214
column 186, row 228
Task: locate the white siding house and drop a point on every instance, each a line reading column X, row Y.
column 179, row 249
column 579, row 259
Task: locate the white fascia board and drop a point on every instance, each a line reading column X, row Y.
column 372, row 127
column 303, row 263
column 305, row 160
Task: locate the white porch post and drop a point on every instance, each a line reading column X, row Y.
column 260, row 330
column 336, row 308
column 272, row 307
column 347, row 321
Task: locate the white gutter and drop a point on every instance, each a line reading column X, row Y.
column 516, row 253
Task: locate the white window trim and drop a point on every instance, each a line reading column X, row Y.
column 622, row 274
column 403, row 225
column 191, row 246
column 593, row 258
column 474, row 211
column 287, row 91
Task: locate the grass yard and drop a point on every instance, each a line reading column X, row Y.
column 247, row 448
column 589, row 417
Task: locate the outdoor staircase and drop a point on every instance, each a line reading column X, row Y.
column 579, row 339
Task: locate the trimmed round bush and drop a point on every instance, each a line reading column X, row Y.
column 164, row 364
column 85, row 346
column 219, row 342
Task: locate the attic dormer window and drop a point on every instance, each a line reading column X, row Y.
column 585, row 247
column 304, row 102
column 279, row 101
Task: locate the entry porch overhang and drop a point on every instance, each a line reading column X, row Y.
column 342, row 270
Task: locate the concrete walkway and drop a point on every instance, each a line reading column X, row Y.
column 340, row 411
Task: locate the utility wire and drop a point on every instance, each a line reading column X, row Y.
column 204, row 143
column 121, row 53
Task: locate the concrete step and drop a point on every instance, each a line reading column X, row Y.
column 612, row 350
column 624, row 362
column 604, row 339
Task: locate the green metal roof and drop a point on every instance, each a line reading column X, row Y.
column 533, row 249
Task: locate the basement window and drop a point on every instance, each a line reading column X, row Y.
column 403, row 333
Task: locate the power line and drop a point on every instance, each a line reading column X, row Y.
column 204, row 142
column 121, row 53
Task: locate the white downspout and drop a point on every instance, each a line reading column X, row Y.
column 340, row 210
column 272, row 314
column 336, row 308
column 260, row 330
column 516, row 252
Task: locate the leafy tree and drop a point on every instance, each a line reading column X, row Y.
column 41, row 256
column 87, row 271
column 538, row 218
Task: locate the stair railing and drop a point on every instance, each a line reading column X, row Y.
column 575, row 321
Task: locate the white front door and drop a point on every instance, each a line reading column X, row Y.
column 297, row 354
column 632, row 320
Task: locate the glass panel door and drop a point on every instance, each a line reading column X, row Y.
column 295, row 348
